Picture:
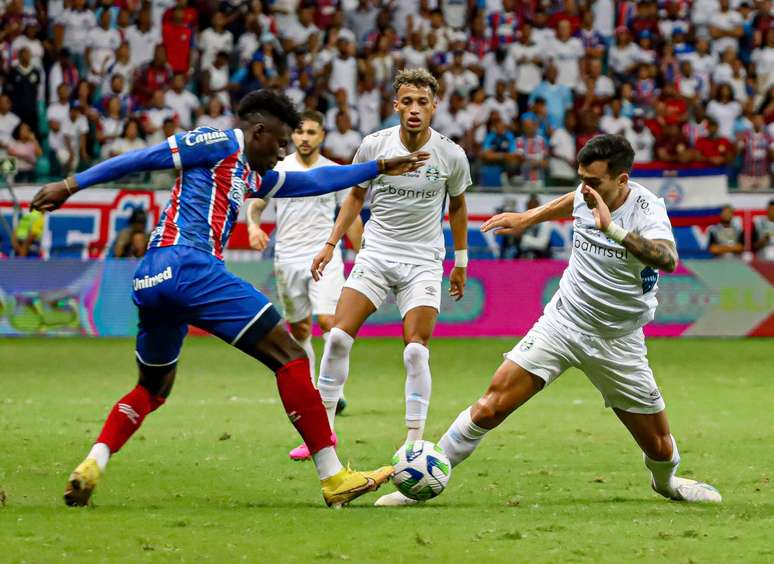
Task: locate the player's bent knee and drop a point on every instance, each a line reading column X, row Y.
column 339, row 342
column 158, row 380
column 415, row 354
column 660, row 447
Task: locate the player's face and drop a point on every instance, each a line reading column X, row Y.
column 416, row 106
column 596, row 176
column 308, row 137
column 268, row 143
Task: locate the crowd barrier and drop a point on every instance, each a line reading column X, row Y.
column 502, row 298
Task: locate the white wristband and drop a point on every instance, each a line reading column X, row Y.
column 616, row 232
column 461, row 258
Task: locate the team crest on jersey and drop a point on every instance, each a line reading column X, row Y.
column 432, row 173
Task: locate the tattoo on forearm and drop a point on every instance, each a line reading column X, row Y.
column 658, row 253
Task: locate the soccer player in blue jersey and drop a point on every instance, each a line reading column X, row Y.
column 182, row 279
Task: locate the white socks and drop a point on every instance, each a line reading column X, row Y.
column 101, row 454
column 462, row 438
column 327, row 463
column 306, row 344
column 416, row 359
column 663, row 471
column 334, row 370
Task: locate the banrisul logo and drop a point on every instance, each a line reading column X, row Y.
column 207, row 137
column 649, row 278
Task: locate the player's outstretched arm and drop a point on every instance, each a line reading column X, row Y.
column 326, row 179
column 53, row 195
column 516, row 223
column 348, row 214
column 259, row 239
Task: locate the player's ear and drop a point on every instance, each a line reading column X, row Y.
column 623, row 179
column 395, row 104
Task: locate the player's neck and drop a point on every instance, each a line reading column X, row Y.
column 308, row 161
column 414, row 141
column 619, row 198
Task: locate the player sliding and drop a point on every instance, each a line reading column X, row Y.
column 594, row 321
column 403, row 245
column 182, row 279
column 303, row 225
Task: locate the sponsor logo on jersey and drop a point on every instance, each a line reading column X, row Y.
column 150, row 281
column 600, row 250
column 410, row 194
column 208, row 137
column 649, row 277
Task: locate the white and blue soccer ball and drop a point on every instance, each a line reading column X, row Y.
column 422, row 470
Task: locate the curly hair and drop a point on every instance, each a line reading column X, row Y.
column 416, row 77
column 263, row 101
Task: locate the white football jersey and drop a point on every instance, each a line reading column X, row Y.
column 407, row 210
column 606, row 290
column 304, row 224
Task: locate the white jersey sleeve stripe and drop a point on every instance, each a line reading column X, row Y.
column 175, row 152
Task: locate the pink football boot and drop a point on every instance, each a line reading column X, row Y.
column 301, row 452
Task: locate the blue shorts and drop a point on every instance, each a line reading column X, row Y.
column 177, row 286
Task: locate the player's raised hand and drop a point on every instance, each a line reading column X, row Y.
column 259, row 239
column 321, row 260
column 404, row 164
column 457, row 283
column 598, row 207
column 51, row 196
column 510, row 223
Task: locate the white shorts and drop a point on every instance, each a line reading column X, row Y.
column 414, row 285
column 301, row 296
column 618, row 366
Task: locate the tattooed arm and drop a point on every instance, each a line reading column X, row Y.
column 658, row 253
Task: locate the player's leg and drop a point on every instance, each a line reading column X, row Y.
column 538, row 359
column 418, row 325
column 294, row 291
column 324, row 295
column 619, row 369
column 363, row 293
column 159, row 339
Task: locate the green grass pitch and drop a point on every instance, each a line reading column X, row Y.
column 207, row 478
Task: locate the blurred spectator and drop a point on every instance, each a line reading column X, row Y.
column 458, row 78
column 561, row 165
column 101, row 44
column 182, row 102
column 153, row 118
column 757, row 149
column 726, row 27
column 672, row 146
column 726, row 239
column 527, row 58
column 132, row 240
column 30, row 41
column 28, row 235
column 215, row 39
column 539, row 116
column 640, row 138
column 143, row 38
column 368, row 107
column 714, row 149
column 763, row 241
column 342, row 105
column 566, row 51
column 72, row 31
column 153, row 76
column 9, row 121
column 215, row 116
column 25, row 147
column 498, row 150
column 131, row 139
column 24, row 87
column 724, row 110
column 558, row 97
column 362, row 19
column 613, row 122
column 502, row 103
column 532, row 150
column 535, row 242
column 62, row 71
column 624, row 55
column 177, row 38
column 341, row 143
column 342, row 69
column 111, row 124
column 597, row 88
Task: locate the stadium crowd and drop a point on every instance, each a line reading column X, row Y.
column 525, row 83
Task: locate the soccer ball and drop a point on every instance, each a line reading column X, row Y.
column 422, row 470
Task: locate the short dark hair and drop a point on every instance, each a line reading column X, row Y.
column 313, row 115
column 615, row 150
column 264, row 101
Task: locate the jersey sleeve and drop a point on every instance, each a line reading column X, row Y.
column 653, row 220
column 363, row 154
column 459, row 177
column 201, row 147
column 314, row 182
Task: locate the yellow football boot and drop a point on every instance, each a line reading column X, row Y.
column 348, row 484
column 81, row 483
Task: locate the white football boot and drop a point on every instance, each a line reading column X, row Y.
column 691, row 491
column 395, row 499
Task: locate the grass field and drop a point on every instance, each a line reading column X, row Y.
column 207, row 478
